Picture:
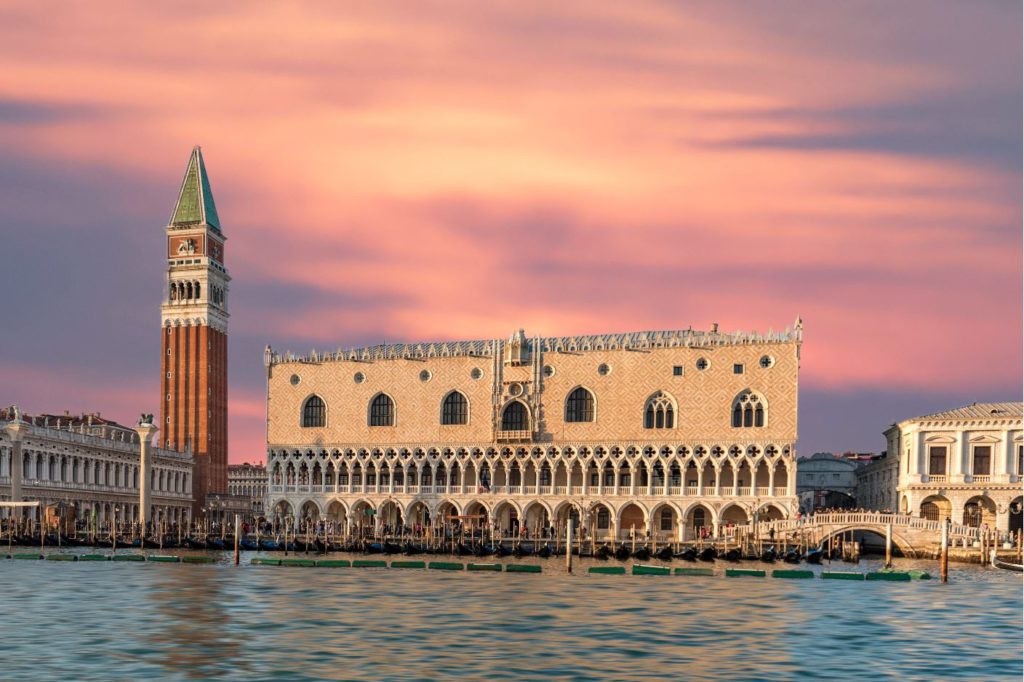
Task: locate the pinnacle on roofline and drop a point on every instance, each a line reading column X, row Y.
column 195, row 205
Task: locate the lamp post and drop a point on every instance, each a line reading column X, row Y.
column 113, row 528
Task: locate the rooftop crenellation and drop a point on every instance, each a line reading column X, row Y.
column 643, row 340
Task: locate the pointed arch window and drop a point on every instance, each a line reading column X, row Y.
column 659, row 413
column 382, row 411
column 314, row 412
column 515, row 417
column 455, row 409
column 749, row 411
column 579, row 406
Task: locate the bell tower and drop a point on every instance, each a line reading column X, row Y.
column 194, row 348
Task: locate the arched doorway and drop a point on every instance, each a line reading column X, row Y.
column 390, row 517
column 666, row 523
column 936, row 508
column 283, row 513
column 699, row 522
column 979, row 511
column 632, row 520
column 537, row 520
column 1016, row 507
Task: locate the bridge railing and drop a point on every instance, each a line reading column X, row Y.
column 841, row 519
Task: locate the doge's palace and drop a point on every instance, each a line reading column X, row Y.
column 663, row 432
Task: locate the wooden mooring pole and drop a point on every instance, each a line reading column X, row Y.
column 888, row 545
column 568, row 546
column 944, row 560
column 238, row 530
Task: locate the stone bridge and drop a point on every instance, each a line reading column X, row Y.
column 911, row 534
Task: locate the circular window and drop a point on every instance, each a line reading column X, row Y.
column 603, row 369
column 476, row 373
column 295, row 380
column 549, row 371
column 515, row 389
column 359, row 377
column 425, row 375
column 767, row 361
column 703, row 364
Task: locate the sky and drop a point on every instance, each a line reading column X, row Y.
column 436, row 170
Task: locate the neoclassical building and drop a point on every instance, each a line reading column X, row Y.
column 665, row 432
column 965, row 464
column 91, row 463
column 249, row 481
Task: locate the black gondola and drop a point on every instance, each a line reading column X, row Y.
column 410, row 549
column 791, row 556
column 373, row 548
column 664, row 554
column 688, row 554
column 603, row 552
column 501, row 550
column 769, row 555
column 270, row 545
column 733, row 554
column 248, row 545
column 194, row 543
column 545, row 551
column 215, row 543
column 814, row 556
column 622, row 552
column 708, row 554
column 392, row 548
column 642, row 553
column 521, row 551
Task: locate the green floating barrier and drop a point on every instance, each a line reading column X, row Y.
column 408, row 564
column 198, row 559
column 842, row 575
column 744, row 572
column 607, row 570
column 369, row 563
column 522, row 568
column 445, row 566
column 298, row 562
column 695, row 571
column 61, row 557
column 892, row 575
column 263, row 561
column 484, row 567
column 93, row 557
column 165, row 559
column 640, row 569
column 333, row 563
column 792, row 573
column 129, row 557
column 25, row 556
column 920, row 575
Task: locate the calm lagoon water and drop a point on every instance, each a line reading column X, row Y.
column 107, row 621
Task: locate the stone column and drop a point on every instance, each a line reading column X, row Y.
column 145, row 431
column 15, row 431
column 957, row 454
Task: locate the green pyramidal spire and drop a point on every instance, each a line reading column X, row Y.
column 195, row 201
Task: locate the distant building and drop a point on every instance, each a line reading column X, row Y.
column 91, row 464
column 877, row 481
column 965, row 464
column 249, row 481
column 666, row 432
column 824, row 480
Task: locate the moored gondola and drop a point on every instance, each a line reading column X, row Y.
column 501, row 550
column 642, row 553
column 520, row 551
column 769, row 555
column 409, row 549
column 248, row 545
column 814, row 556
column 707, row 554
column 215, row 543
column 688, row 554
column 545, row 551
column 791, row 556
column 603, row 552
column 733, row 554
column 269, row 545
column 196, row 543
column 622, row 552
